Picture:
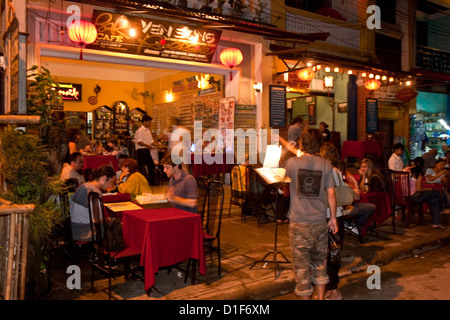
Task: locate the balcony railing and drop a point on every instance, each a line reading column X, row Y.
column 339, row 35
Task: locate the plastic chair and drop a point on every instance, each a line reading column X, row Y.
column 213, row 223
column 238, row 189
column 104, row 257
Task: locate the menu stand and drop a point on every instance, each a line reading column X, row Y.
column 274, row 252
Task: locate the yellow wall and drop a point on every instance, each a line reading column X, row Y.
column 111, row 92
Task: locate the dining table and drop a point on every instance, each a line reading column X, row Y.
column 204, row 164
column 164, row 237
column 383, row 208
column 359, row 149
column 95, row 161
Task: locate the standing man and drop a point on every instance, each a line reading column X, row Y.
column 295, row 131
column 395, row 161
column 312, row 184
column 144, row 142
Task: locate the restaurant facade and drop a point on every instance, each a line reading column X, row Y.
column 158, row 72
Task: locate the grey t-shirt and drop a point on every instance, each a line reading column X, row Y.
column 294, row 133
column 184, row 187
column 310, row 177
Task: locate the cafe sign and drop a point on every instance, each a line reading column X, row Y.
column 151, row 37
column 70, row 91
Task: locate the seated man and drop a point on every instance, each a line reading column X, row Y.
column 182, row 191
column 103, row 178
column 73, row 167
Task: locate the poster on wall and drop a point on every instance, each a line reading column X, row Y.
column 226, row 121
column 371, row 115
column 277, row 100
column 151, row 37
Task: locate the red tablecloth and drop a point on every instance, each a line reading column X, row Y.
column 118, row 197
column 382, row 212
column 164, row 237
column 359, row 149
column 93, row 162
column 222, row 163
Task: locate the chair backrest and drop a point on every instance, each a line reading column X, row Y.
column 96, row 217
column 214, row 208
column 202, row 195
column 402, row 184
column 71, row 184
column 238, row 182
column 389, row 182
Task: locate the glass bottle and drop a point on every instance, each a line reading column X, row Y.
column 366, row 185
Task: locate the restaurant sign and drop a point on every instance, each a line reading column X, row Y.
column 70, row 91
column 151, row 37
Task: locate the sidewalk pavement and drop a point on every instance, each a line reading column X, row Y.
column 243, row 243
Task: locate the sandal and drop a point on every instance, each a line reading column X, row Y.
column 441, row 227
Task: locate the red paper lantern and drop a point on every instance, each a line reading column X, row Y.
column 231, row 57
column 82, row 32
column 306, row 74
column 372, row 84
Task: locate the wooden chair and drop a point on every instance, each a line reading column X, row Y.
column 402, row 199
column 213, row 223
column 104, row 257
column 238, row 189
column 202, row 195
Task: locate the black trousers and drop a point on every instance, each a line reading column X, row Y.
column 145, row 160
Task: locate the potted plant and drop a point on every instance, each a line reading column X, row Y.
column 205, row 7
column 30, row 179
column 24, row 166
column 259, row 11
column 238, row 8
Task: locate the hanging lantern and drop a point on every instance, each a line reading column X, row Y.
column 372, row 84
column 231, row 57
column 306, row 74
column 82, row 32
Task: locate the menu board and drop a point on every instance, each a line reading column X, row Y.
column 151, row 37
column 371, row 115
column 277, row 99
column 244, row 117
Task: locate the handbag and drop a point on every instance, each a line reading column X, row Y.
column 334, row 257
column 344, row 194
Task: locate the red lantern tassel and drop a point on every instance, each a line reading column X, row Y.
column 81, row 54
column 231, row 76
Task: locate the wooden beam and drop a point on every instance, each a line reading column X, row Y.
column 18, row 119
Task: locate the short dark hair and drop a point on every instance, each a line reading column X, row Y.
column 104, row 170
column 113, row 140
column 146, row 118
column 297, row 119
column 73, row 157
column 398, row 146
column 167, row 160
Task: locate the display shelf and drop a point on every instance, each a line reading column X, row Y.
column 121, row 118
column 103, row 119
column 136, row 119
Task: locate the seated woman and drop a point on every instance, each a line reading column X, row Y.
column 437, row 174
column 103, row 179
column 136, row 183
column 114, row 148
column 373, row 176
column 420, row 194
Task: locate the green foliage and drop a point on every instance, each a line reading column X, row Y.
column 42, row 94
column 24, row 167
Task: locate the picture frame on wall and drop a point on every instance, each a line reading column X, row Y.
column 312, row 113
column 342, row 107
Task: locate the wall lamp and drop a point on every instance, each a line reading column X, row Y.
column 257, row 87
